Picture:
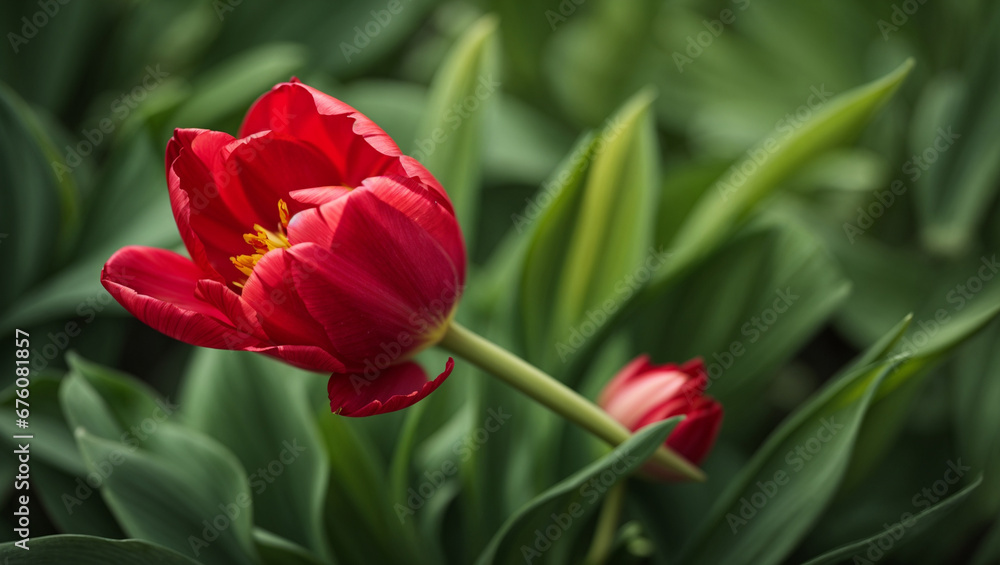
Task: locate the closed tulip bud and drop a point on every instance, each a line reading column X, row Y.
column 642, row 394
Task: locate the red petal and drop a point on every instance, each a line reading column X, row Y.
column 354, row 144
column 384, row 282
column 308, row 357
column 377, row 392
column 650, row 399
column 270, row 292
column 415, row 170
column 694, row 436
column 197, row 179
column 268, row 167
column 319, row 195
column 318, row 225
column 158, row 287
column 241, row 315
column 214, row 207
column 638, row 366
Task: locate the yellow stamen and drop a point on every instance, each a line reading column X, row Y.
column 262, row 241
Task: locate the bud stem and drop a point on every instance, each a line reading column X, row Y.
column 552, row 394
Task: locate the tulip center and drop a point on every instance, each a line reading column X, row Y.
column 262, row 241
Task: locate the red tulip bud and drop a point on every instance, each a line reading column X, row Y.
column 642, row 394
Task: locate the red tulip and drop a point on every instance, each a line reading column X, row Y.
column 311, row 239
column 643, row 394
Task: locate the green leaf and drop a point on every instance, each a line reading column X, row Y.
column 38, row 210
column 449, row 142
column 756, row 302
column 900, row 532
column 190, row 495
column 276, row 550
column 542, row 230
column 784, row 488
column 59, row 447
column 129, row 400
column 567, row 505
column 87, row 550
column 770, row 162
column 741, row 531
column 361, row 520
column 130, row 206
column 71, row 504
column 930, row 339
column 683, row 186
column 85, row 409
column 591, row 228
column 259, row 408
column 613, row 230
column 976, row 395
column 732, row 200
column 957, row 154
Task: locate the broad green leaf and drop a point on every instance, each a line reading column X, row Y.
column 129, row 400
column 909, row 527
column 731, row 92
column 85, row 409
column 87, row 550
column 276, row 550
column 739, row 525
column 889, row 282
column 976, row 384
column 361, row 517
column 59, row 447
column 542, row 227
column 784, row 488
column 933, row 335
column 683, row 186
column 259, row 409
column 957, row 163
column 753, row 305
column 450, row 140
column 59, row 60
column 773, row 160
column 612, row 232
column 130, row 207
column 748, row 182
column 845, row 170
column 72, row 504
column 38, row 209
column 566, row 506
column 191, row 495
column 591, row 233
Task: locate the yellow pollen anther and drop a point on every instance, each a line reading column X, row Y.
column 262, row 241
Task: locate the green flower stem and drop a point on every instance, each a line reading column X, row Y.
column 551, row 393
column 607, row 525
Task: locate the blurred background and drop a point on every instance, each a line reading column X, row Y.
column 900, row 219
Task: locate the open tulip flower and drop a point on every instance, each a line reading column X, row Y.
column 311, row 239
column 643, row 394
